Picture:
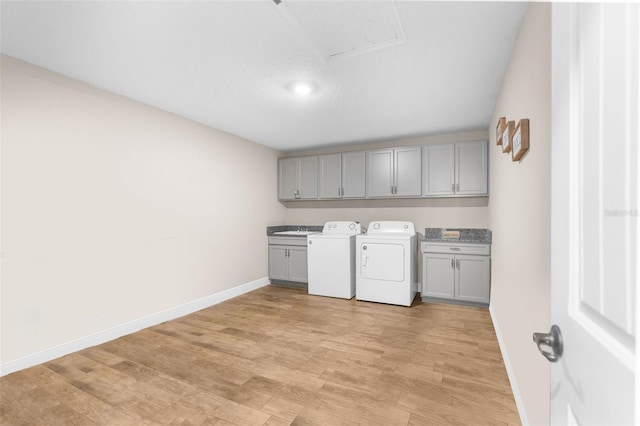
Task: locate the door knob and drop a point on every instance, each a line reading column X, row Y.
column 552, row 340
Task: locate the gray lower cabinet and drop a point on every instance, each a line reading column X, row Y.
column 456, row 273
column 288, row 259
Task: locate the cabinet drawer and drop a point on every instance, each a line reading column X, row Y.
column 456, row 248
column 288, row 241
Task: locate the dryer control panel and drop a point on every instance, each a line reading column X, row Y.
column 394, row 227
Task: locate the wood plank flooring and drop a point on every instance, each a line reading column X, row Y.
column 278, row 356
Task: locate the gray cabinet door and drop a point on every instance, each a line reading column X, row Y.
column 438, row 275
column 380, row 179
column 287, row 178
column 473, row 278
column 298, row 264
column 438, row 170
column 329, row 176
column 471, row 168
column 408, row 171
column 353, row 175
column 278, row 265
column 308, row 177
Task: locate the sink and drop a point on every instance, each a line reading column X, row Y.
column 295, row 233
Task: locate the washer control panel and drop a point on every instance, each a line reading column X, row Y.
column 342, row 228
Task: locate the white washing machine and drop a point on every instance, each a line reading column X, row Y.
column 331, row 260
column 386, row 263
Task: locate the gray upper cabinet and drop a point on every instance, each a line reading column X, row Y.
column 394, row 172
column 329, row 176
column 455, row 169
column 298, row 178
column 353, row 175
column 471, row 168
column 287, row 178
column 444, row 170
column 380, row 173
column 341, row 175
column 438, row 173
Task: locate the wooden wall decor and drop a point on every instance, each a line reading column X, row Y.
column 520, row 140
column 502, row 122
column 507, row 134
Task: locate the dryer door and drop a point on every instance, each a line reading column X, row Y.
column 382, row 261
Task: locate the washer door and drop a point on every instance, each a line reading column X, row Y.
column 382, row 261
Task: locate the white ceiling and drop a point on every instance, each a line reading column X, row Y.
column 227, row 64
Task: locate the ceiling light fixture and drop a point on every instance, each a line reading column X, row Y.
column 302, row 88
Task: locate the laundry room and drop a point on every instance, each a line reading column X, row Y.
column 283, row 212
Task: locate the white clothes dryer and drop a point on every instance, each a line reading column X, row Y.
column 386, row 263
column 331, row 260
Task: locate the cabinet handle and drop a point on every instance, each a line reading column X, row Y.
column 454, row 248
column 457, row 187
column 452, row 263
column 458, row 264
column 453, row 187
column 286, row 253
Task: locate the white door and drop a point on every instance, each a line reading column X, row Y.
column 594, row 212
column 382, row 261
column 329, row 179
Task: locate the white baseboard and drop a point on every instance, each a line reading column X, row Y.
column 129, row 327
column 512, row 380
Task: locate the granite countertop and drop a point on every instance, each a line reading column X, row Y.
column 467, row 235
column 271, row 230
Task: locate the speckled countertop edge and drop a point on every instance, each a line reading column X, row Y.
column 280, row 228
column 467, row 235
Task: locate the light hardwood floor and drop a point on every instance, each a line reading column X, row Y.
column 278, row 356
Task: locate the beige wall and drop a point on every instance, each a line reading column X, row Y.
column 113, row 210
column 519, row 214
column 424, row 213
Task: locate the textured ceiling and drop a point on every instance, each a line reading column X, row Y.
column 227, row 64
